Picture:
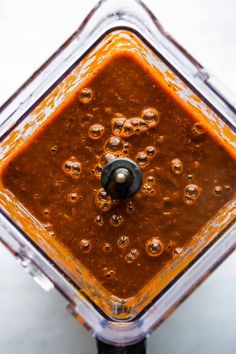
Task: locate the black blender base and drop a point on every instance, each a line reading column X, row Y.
column 138, row 348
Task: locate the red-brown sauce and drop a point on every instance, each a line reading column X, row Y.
column 187, row 176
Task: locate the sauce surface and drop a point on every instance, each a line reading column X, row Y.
column 187, row 176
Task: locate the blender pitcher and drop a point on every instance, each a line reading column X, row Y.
column 121, row 223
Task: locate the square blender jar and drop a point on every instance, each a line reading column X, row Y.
column 111, row 27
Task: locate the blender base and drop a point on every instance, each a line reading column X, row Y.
column 138, row 348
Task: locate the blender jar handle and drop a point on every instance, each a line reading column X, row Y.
column 138, row 348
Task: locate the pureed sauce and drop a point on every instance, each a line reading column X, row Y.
column 187, row 176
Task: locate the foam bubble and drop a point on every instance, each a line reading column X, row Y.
column 132, row 255
column 176, row 166
column 116, row 220
column 128, row 129
column 151, row 151
column 117, row 125
column 110, row 273
column 73, row 197
column 105, row 158
column 72, row 167
column 123, row 242
column 98, row 171
column 46, row 213
column 107, row 247
column 192, row 190
column 177, row 251
column 103, row 200
column 130, row 207
column 227, row 187
column 154, row 247
column 191, row 193
column 54, row 149
column 86, row 95
column 218, row 190
column 85, row 245
column 151, row 116
column 197, row 129
column 148, row 189
column 96, row 131
column 114, row 144
column 151, row 180
column 142, row 159
column 99, row 221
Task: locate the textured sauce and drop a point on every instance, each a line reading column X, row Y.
column 187, row 176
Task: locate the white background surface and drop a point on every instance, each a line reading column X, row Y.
column 34, row 322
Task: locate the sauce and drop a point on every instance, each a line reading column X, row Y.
column 187, row 176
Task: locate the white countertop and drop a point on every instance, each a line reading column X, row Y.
column 35, row 322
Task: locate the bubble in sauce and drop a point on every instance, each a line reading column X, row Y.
column 86, row 95
column 99, row 220
column 167, row 203
column 154, row 247
column 102, row 195
column 96, row 131
column 105, row 158
column 148, row 189
column 188, row 200
column 73, row 197
column 191, row 193
column 151, row 151
column 110, row 273
column 72, row 167
column 54, row 149
column 135, row 122
column 177, row 251
column 132, row 255
column 126, row 148
column 176, row 166
column 67, row 166
column 85, row 245
column 128, row 129
column 190, row 177
column 143, row 125
column 98, row 171
column 114, row 144
column 123, row 241
column 218, row 190
column 57, row 182
column 117, row 125
column 150, row 116
column 107, row 247
column 142, row 159
column 130, row 207
column 197, row 129
column 126, row 145
column 46, row 212
column 227, row 187
column 192, row 190
column 116, row 220
column 150, row 180
column 103, row 200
